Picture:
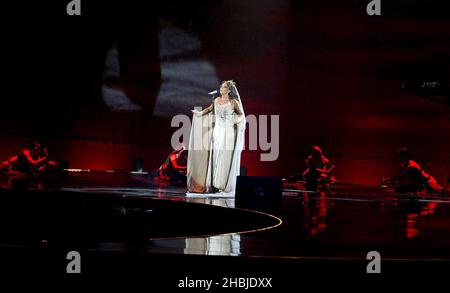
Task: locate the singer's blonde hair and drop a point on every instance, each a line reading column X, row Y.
column 230, row 84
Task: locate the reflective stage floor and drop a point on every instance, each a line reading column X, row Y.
column 126, row 220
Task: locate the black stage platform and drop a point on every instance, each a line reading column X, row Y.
column 129, row 225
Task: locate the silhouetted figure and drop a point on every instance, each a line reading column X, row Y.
column 413, row 177
column 174, row 168
column 31, row 161
column 318, row 171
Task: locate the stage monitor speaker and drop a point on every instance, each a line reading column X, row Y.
column 258, row 192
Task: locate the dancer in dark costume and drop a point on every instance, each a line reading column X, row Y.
column 413, row 177
column 174, row 168
column 319, row 169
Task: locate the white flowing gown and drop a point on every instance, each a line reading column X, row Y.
column 223, row 144
column 215, row 147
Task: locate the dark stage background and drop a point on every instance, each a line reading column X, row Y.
column 100, row 89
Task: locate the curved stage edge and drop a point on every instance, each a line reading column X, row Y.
column 91, row 219
column 133, row 226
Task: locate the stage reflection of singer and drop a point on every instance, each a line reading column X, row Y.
column 216, row 142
